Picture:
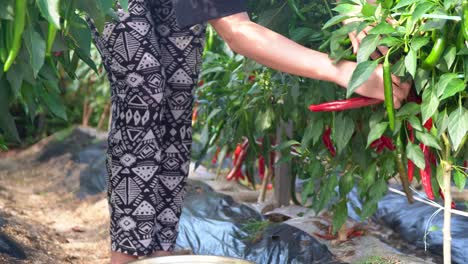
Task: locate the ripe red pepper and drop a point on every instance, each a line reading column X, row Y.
column 239, row 155
column 215, row 157
column 326, row 138
column 252, row 78
column 441, row 193
column 382, row 143
column 410, row 162
column 201, row 82
column 428, row 124
column 261, row 167
column 426, row 173
column 341, row 105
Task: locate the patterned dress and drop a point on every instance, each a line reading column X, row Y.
column 153, row 65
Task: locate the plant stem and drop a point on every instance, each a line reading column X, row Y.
column 447, row 177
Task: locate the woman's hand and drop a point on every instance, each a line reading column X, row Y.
column 374, row 87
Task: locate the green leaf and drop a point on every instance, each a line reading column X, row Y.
column 307, row 191
column 7, row 123
column 415, row 123
column 449, row 56
column 335, row 20
column 442, row 122
column 360, row 75
column 458, row 126
column 450, row 88
column 429, row 105
column 369, row 175
column 460, row 180
column 286, row 144
column 346, row 183
column 15, row 77
column 312, row 132
column 409, row 109
column 382, row 28
column 368, row 10
column 428, row 140
column 421, row 9
column 53, row 102
column 36, row 47
column 367, row 47
column 343, row 130
column 376, row 132
column 50, row 11
column 419, row 42
column 404, row 3
column 124, row 5
column 415, row 154
column 411, row 62
column 340, row 215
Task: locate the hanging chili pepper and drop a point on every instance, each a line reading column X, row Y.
column 215, row 157
column 382, row 143
column 465, row 19
column 261, row 167
column 388, row 91
column 326, row 138
column 20, row 19
column 50, row 38
column 426, row 173
column 435, row 54
column 410, row 162
column 441, row 193
column 428, row 124
column 341, row 105
column 239, row 155
column 293, row 6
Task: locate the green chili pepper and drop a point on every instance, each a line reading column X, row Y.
column 293, row 6
column 436, row 53
column 51, row 38
column 20, row 19
column 388, row 91
column 465, row 19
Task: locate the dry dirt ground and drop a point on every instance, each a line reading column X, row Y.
column 38, row 201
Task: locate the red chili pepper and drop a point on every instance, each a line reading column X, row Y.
column 428, row 124
column 410, row 162
column 195, row 112
column 252, row 78
column 261, row 167
column 201, row 82
column 341, row 105
column 441, row 193
column 57, row 53
column 215, row 157
column 239, row 155
column 326, row 138
column 426, row 173
column 382, row 143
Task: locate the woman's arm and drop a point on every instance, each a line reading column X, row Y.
column 280, row 53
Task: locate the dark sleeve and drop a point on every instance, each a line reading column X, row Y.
column 191, row 12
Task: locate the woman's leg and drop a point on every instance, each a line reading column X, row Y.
column 181, row 51
column 133, row 62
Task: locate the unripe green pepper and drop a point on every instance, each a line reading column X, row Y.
column 435, row 54
column 19, row 24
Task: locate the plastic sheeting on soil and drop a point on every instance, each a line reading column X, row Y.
column 411, row 222
column 214, row 224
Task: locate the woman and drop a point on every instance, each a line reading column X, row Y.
column 153, row 56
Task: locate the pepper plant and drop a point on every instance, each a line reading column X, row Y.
column 364, row 147
column 39, row 38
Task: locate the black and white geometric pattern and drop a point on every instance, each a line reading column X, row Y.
column 153, row 66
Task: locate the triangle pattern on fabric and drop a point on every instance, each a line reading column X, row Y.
column 144, row 209
column 180, row 77
column 148, row 61
column 127, row 244
column 172, row 149
column 177, row 113
column 171, row 182
column 133, row 133
column 145, row 172
column 141, row 27
column 181, row 42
